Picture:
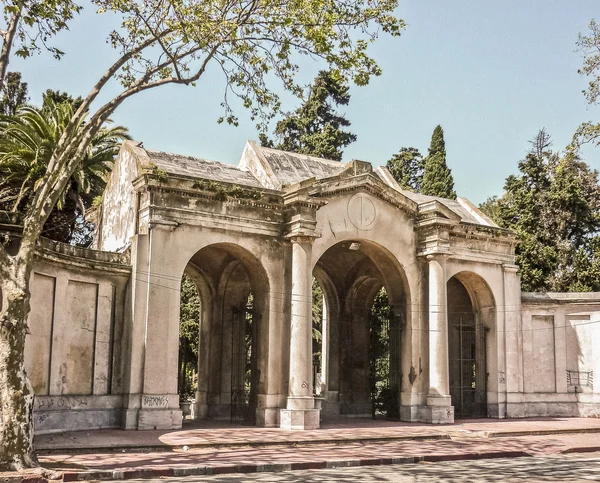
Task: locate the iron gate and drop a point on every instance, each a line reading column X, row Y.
column 243, row 370
column 384, row 354
column 468, row 378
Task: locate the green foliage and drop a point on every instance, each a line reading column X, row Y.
column 382, row 395
column 226, row 191
column 317, row 322
column 27, row 141
column 491, row 208
column 589, row 46
column 52, row 97
column 437, row 177
column 39, row 20
column 407, row 169
column 14, row 94
column 249, row 41
column 553, row 205
column 189, row 333
column 315, row 128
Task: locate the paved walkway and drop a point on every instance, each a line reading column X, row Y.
column 211, row 434
column 218, row 448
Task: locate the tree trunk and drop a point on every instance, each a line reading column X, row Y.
column 16, row 392
column 7, row 43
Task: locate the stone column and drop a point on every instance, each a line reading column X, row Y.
column 439, row 404
column 300, row 412
column 513, row 339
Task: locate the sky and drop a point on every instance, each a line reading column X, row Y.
column 491, row 73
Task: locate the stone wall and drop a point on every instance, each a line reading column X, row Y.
column 560, row 340
column 74, row 354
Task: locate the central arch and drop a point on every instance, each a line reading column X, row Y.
column 351, row 274
column 234, row 296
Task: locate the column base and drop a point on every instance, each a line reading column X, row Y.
column 437, row 414
column 409, row 413
column 299, row 419
column 159, row 419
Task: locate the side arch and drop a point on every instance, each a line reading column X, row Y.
column 472, row 339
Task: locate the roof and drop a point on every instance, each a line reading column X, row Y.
column 180, row 165
column 292, row 168
column 285, row 168
column 465, row 209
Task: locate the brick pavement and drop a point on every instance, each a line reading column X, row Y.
column 219, row 448
column 214, row 448
column 220, row 434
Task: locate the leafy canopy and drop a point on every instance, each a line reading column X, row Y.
column 27, row 142
column 249, row 41
column 14, row 94
column 407, row 169
column 553, row 206
column 589, row 46
column 315, row 128
column 33, row 23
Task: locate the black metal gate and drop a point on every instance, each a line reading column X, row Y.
column 468, row 376
column 243, row 366
column 384, row 354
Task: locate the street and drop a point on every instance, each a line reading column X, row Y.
column 574, row 467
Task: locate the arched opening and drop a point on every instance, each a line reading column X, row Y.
column 471, row 312
column 366, row 308
column 232, row 294
column 189, row 339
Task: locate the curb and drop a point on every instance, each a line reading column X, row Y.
column 276, row 467
column 541, row 432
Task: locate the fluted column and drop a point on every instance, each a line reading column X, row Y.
column 438, row 398
column 300, row 412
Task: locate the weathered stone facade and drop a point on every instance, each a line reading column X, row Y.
column 105, row 326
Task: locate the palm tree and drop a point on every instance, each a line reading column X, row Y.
column 27, row 141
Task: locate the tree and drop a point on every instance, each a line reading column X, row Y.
column 14, row 94
column 52, row 97
column 189, row 333
column 407, row 169
column 589, row 46
column 30, row 24
column 315, row 128
column 553, row 206
column 27, row 141
column 173, row 42
column 437, row 177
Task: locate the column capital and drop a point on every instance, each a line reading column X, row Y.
column 510, row 268
column 437, row 256
column 301, row 237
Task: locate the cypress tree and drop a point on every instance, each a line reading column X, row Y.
column 437, row 177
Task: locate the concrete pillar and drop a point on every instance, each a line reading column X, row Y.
column 439, row 404
column 300, row 412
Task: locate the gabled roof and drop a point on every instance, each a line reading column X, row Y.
column 201, row 168
column 292, row 168
column 261, row 167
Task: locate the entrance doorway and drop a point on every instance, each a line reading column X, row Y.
column 243, row 364
column 232, row 292
column 366, row 299
column 467, row 354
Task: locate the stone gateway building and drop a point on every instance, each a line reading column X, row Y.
column 463, row 340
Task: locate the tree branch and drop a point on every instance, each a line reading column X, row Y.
column 9, row 37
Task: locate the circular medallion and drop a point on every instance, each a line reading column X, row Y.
column 362, row 212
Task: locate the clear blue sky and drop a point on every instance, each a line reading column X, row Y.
column 491, row 73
